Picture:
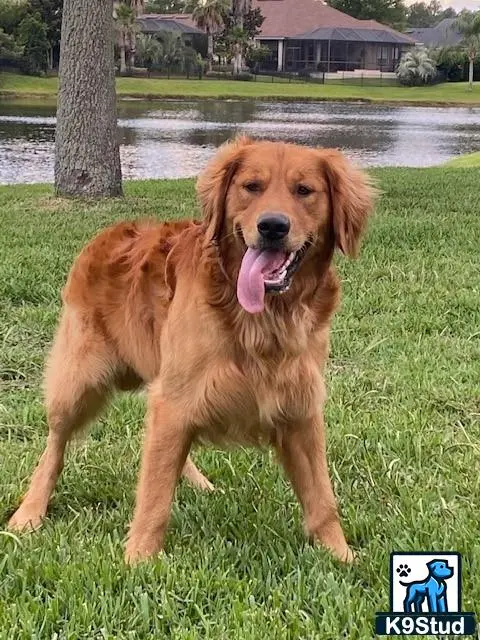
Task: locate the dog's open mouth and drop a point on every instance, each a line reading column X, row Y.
column 265, row 271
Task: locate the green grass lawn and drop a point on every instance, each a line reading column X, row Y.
column 467, row 161
column 403, row 424
column 449, row 93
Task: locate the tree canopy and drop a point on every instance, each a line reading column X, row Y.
column 390, row 12
column 428, row 14
column 165, row 6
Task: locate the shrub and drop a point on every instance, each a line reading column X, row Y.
column 223, row 68
column 257, row 55
column 244, row 76
column 416, row 68
column 451, row 63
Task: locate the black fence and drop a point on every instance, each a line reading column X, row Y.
column 359, row 78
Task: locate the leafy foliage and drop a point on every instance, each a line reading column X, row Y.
column 47, row 16
column 11, row 15
column 10, row 51
column 453, row 63
column 149, row 51
column 416, row 68
column 124, row 15
column 428, row 14
column 390, row 12
column 165, row 6
column 50, row 12
column 468, row 24
column 257, row 55
column 211, row 15
column 32, row 36
column 167, row 52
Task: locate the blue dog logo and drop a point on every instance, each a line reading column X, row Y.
column 433, row 589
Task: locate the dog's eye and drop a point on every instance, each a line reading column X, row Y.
column 303, row 190
column 252, row 187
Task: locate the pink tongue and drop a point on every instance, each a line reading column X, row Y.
column 250, row 283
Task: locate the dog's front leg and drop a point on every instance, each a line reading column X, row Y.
column 167, row 442
column 301, row 448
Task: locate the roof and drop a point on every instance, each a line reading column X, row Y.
column 383, row 36
column 443, row 34
column 295, row 18
column 156, row 22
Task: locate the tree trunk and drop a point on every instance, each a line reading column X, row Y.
column 50, row 59
column 122, row 46
column 237, row 59
column 210, row 49
column 87, row 158
column 132, row 49
column 470, row 73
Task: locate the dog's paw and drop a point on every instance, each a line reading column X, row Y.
column 404, row 570
column 24, row 521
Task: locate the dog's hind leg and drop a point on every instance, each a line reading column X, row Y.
column 195, row 477
column 129, row 381
column 77, row 383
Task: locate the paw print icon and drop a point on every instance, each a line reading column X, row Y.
column 403, row 570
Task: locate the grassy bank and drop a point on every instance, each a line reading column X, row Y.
column 467, row 161
column 450, row 93
column 403, row 423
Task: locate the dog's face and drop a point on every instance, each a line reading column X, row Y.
column 440, row 569
column 280, row 201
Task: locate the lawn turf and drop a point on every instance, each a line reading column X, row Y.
column 14, row 85
column 466, row 161
column 403, row 425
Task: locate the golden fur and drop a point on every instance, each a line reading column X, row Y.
column 156, row 304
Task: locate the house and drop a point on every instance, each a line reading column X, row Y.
column 310, row 35
column 182, row 24
column 444, row 34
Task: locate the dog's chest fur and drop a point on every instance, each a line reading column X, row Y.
column 240, row 385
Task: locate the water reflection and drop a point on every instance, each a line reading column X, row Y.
column 173, row 138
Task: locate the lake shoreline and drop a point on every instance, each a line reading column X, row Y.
column 16, row 86
column 148, row 97
column 173, row 137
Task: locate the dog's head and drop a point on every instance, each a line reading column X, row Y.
column 281, row 203
column 440, row 569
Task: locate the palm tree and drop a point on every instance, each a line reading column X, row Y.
column 238, row 41
column 125, row 21
column 210, row 15
column 173, row 49
column 416, row 67
column 149, row 51
column 239, row 9
column 468, row 24
column 138, row 6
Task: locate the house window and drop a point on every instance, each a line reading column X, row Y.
column 294, row 55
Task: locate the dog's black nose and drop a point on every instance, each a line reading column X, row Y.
column 273, row 226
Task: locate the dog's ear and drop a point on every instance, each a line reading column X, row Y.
column 352, row 197
column 214, row 182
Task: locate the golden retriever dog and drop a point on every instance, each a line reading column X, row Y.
column 227, row 322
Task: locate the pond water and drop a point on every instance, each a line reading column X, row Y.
column 173, row 138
